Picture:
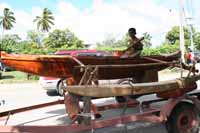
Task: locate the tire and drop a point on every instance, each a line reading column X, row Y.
column 60, row 86
column 184, row 118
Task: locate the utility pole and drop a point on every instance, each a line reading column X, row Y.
column 189, row 21
column 191, row 39
column 181, row 31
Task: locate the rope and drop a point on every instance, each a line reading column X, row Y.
column 84, row 75
column 92, row 75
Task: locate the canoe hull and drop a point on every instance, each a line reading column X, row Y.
column 67, row 66
column 164, row 89
column 41, row 65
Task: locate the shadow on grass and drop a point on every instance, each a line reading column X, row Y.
column 7, row 77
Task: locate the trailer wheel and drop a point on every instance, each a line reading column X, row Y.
column 184, row 118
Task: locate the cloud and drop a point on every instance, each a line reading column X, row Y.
column 94, row 23
column 67, row 16
column 102, row 18
column 196, row 15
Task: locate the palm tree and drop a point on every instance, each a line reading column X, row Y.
column 7, row 20
column 44, row 21
column 147, row 40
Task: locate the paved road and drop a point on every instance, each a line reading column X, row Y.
column 25, row 94
column 19, row 95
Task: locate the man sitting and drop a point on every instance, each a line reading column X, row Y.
column 135, row 46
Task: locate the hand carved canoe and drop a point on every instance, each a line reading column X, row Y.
column 164, row 89
column 110, row 67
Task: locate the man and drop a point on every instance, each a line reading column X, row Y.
column 189, row 56
column 135, row 46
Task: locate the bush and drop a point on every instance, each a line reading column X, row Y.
column 107, row 48
column 163, row 49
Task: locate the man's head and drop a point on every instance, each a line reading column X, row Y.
column 132, row 32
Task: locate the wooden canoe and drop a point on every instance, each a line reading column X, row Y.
column 175, row 87
column 111, row 67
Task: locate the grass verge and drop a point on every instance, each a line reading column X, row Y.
column 16, row 77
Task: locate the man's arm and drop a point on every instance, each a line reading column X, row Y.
column 136, row 43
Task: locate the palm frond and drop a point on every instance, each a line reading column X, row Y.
column 7, row 19
column 45, row 20
column 37, row 19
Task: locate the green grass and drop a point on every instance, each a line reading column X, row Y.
column 16, row 77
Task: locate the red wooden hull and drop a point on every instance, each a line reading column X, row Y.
column 64, row 66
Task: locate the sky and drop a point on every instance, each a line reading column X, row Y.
column 94, row 20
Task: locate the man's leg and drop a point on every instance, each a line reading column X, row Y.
column 136, row 54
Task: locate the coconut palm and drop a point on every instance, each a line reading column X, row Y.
column 44, row 21
column 147, row 40
column 7, row 19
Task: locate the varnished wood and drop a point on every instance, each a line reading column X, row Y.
column 64, row 66
column 134, row 89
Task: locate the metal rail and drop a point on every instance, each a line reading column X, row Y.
column 19, row 110
column 150, row 115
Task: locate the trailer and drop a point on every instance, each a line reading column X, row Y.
column 179, row 109
column 179, row 115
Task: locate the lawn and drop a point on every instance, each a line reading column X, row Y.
column 16, row 77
